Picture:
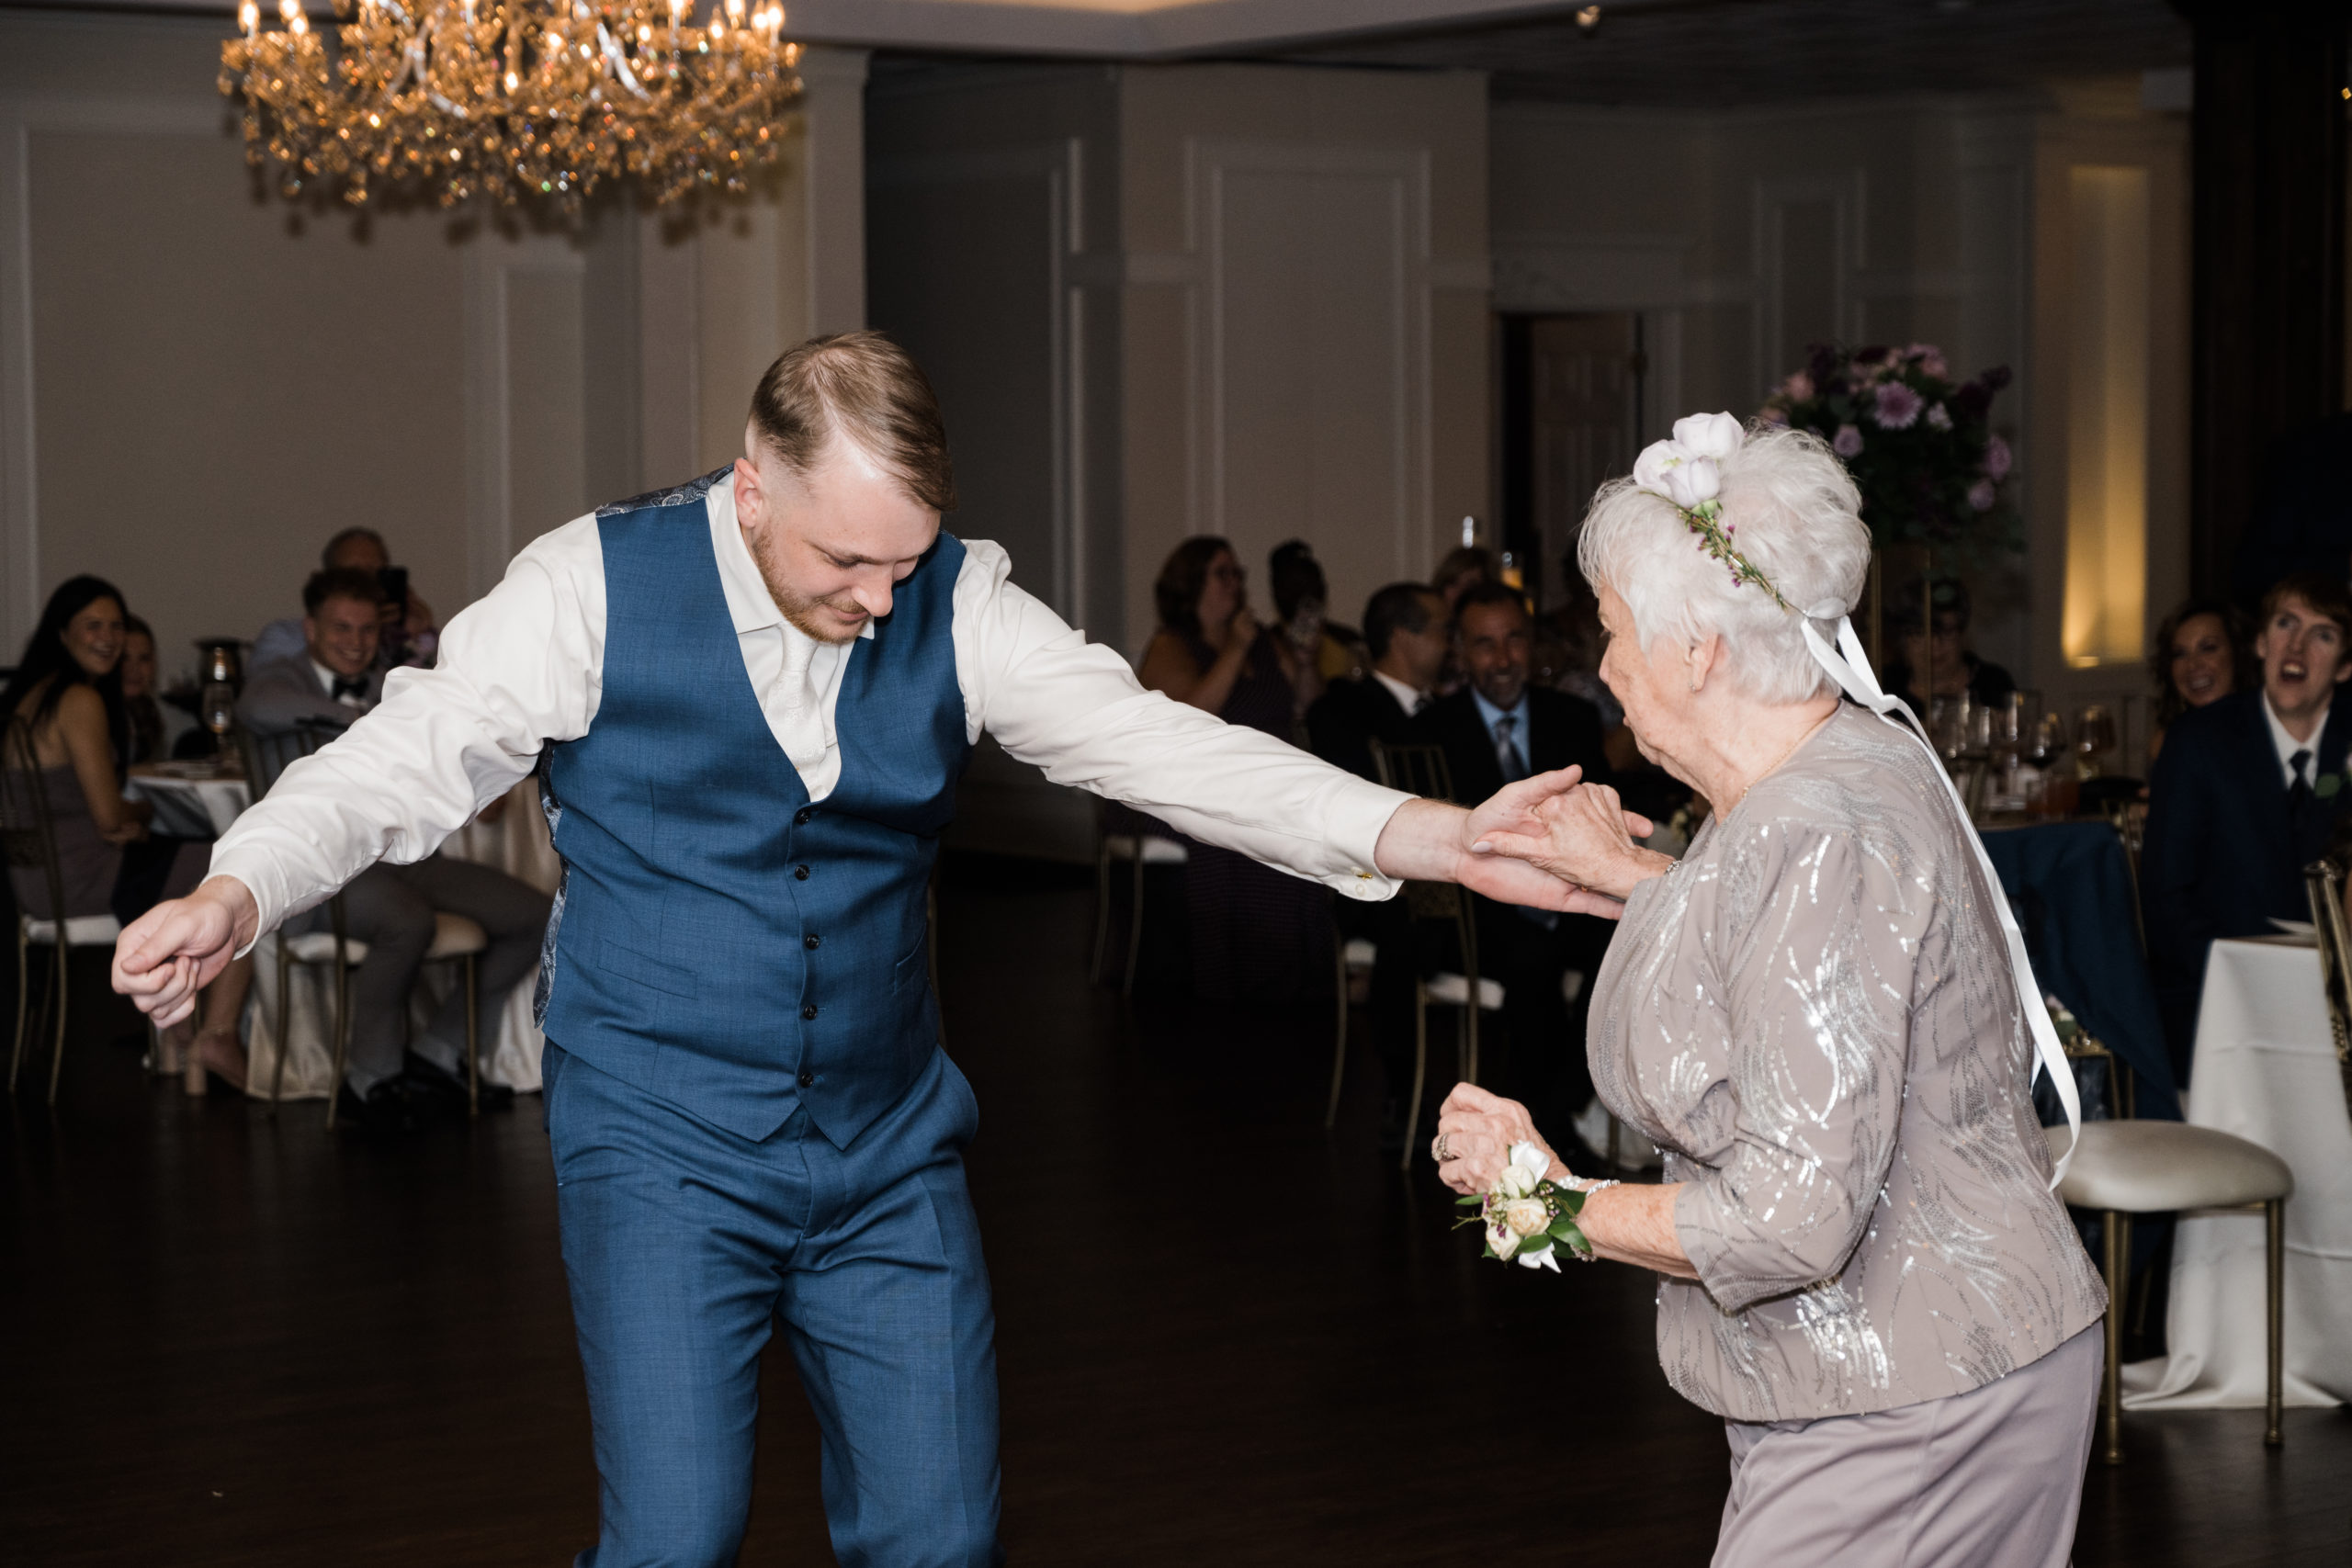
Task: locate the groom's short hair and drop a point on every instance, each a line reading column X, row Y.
column 866, row 389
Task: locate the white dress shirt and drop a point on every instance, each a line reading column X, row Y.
column 2288, row 746
column 1408, row 698
column 524, row 667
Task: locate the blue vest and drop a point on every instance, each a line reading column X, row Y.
column 719, row 941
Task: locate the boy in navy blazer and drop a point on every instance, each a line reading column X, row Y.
column 2244, row 795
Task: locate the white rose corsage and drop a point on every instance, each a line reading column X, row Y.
column 1529, row 1218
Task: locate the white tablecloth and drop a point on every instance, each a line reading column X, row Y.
column 2265, row 1069
column 518, row 844
column 189, row 807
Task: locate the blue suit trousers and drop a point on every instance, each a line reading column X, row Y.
column 684, row 1243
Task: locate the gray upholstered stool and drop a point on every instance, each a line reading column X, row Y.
column 2153, row 1167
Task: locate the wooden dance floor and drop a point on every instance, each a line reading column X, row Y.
column 1225, row 1337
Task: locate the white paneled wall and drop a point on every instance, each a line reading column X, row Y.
column 198, row 385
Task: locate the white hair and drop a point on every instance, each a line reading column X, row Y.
column 1793, row 511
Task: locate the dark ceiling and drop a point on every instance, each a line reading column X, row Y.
column 1692, row 53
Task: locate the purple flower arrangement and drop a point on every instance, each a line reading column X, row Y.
column 1921, row 446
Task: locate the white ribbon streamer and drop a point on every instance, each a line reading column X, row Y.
column 1850, row 667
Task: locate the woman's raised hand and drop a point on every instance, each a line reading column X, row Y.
column 1583, row 836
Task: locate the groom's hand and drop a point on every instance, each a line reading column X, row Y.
column 1518, row 811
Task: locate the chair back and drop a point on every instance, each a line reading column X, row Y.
column 28, row 837
column 1421, row 770
column 269, row 754
column 1415, row 770
column 2323, row 885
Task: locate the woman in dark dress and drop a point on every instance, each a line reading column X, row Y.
column 1257, row 935
column 67, row 690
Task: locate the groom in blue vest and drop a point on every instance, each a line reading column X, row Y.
column 748, row 701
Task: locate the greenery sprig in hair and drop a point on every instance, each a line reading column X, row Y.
column 1686, row 472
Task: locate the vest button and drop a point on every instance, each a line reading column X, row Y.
column 800, row 817
column 808, row 1080
column 810, row 1011
column 799, row 874
column 810, row 942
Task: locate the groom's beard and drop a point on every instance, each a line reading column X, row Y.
column 808, row 613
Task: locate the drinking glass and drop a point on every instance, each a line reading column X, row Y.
column 2094, row 739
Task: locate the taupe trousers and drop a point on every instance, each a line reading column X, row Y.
column 1987, row 1479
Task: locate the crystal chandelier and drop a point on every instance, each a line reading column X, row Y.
column 527, row 99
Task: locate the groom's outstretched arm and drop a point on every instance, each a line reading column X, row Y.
column 1076, row 710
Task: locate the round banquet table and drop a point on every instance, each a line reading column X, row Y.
column 2265, row 1069
column 517, row 843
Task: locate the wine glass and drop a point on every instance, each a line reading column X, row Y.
column 2094, row 739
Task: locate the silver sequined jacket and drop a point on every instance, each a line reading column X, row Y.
column 1812, row 1016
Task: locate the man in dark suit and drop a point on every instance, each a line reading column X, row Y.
column 2244, row 795
column 331, row 684
column 1495, row 729
column 1405, row 630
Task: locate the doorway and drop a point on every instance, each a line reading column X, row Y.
column 1572, row 400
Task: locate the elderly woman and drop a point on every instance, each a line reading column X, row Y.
column 1813, row 1013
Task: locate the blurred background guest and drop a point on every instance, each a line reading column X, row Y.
column 392, row 1083
column 1915, row 658
column 1313, row 656
column 409, row 632
column 1408, row 635
column 1326, row 649
column 1497, row 728
column 67, row 690
column 2246, row 794
column 1462, row 567
column 142, row 714
column 1566, row 657
column 2200, row 656
column 1257, row 935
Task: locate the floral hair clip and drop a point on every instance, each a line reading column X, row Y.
column 1686, row 472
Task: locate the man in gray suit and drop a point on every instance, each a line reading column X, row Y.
column 330, row 685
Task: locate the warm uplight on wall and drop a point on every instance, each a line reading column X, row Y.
column 2105, row 617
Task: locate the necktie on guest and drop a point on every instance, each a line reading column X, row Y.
column 1507, row 751
column 2299, row 792
column 350, row 690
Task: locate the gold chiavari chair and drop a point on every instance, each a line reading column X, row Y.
column 1421, row 770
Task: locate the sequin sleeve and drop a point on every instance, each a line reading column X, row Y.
column 1819, row 937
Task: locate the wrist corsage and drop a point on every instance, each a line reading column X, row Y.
column 1528, row 1218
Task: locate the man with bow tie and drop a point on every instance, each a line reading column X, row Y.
column 312, row 696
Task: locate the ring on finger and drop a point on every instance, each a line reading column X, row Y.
column 1440, row 1150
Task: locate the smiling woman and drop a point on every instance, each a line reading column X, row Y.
column 2203, row 653
column 1814, row 1016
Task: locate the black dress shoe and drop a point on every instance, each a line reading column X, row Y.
column 389, row 1107
column 435, row 1083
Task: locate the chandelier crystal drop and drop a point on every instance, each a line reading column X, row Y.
column 536, row 100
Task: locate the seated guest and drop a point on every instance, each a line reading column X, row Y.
column 1257, row 934
column 1462, row 569
column 333, row 683
column 142, row 714
column 1332, row 651
column 67, row 690
column 1923, row 668
column 1406, row 629
column 1498, row 728
column 2199, row 656
column 2246, row 794
column 409, row 636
